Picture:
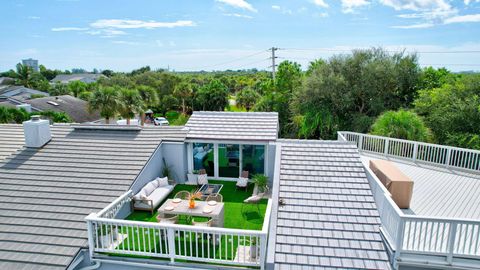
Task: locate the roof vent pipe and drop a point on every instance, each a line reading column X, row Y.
column 36, row 132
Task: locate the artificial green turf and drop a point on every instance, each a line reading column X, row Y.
column 248, row 219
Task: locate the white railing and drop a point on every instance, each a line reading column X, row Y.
column 114, row 207
column 245, row 248
column 446, row 156
column 416, row 235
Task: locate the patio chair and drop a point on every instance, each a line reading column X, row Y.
column 207, row 223
column 168, row 219
column 202, row 177
column 253, row 200
column 183, row 195
column 242, row 181
column 215, row 197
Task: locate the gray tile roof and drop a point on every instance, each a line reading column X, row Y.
column 45, row 194
column 329, row 220
column 257, row 126
column 76, row 108
column 11, row 139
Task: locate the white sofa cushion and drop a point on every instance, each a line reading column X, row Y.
column 150, row 187
column 162, row 181
column 157, row 196
column 202, row 179
column 242, row 182
column 138, row 196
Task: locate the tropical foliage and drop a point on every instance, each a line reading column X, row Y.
column 401, row 124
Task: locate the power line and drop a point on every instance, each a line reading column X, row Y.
column 234, row 60
column 390, row 51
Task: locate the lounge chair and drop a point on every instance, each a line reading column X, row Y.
column 242, row 181
column 182, row 195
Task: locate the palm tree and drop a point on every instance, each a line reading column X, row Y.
column 130, row 103
column 183, row 90
column 105, row 100
column 24, row 75
column 149, row 97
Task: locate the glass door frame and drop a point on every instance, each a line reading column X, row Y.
column 216, row 165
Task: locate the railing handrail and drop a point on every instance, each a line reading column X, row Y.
column 94, row 218
column 114, row 203
column 408, row 141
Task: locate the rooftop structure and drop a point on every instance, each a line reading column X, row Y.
column 19, row 92
column 83, row 77
column 323, row 208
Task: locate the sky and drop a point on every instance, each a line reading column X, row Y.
column 186, row 35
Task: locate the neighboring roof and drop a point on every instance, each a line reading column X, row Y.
column 45, row 194
column 19, row 90
column 84, row 77
column 329, row 219
column 6, row 80
column 76, row 108
column 257, row 126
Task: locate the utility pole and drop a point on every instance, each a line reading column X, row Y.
column 273, row 49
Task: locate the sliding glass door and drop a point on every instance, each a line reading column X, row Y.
column 204, row 157
column 253, row 159
column 229, row 160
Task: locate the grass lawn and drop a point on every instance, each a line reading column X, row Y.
column 151, row 240
column 235, row 218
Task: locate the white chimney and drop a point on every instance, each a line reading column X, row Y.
column 27, row 107
column 37, row 132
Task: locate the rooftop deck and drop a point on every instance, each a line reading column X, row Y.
column 437, row 191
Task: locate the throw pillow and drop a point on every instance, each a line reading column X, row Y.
column 202, row 179
column 149, row 188
column 242, row 182
column 138, row 196
column 162, row 182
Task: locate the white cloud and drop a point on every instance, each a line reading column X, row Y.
column 239, row 4
column 33, row 17
column 349, row 6
column 238, row 15
column 320, row 3
column 61, row 29
column 159, row 43
column 132, row 24
column 276, row 7
column 463, row 19
column 417, row 5
column 125, row 42
column 414, row 26
column 467, row 2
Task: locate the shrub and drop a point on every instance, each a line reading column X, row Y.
column 401, row 124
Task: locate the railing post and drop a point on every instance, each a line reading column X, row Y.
column 447, row 159
column 451, row 241
column 385, row 151
column 90, row 231
column 360, row 142
column 171, row 244
column 399, row 242
column 415, row 151
column 263, row 250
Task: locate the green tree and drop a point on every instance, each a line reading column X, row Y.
column 23, row 75
column 48, row 74
column 5, row 115
column 85, row 95
column 76, row 87
column 56, row 117
column 247, row 98
column 213, row 96
column 349, row 91
column 149, row 97
column 58, row 89
column 184, row 91
column 106, row 100
column 434, row 78
column 167, row 103
column 401, row 124
column 452, row 111
column 130, row 103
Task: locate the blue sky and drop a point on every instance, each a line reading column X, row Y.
column 221, row 34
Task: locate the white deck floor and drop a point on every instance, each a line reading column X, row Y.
column 438, row 192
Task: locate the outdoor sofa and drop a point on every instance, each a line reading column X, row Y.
column 152, row 194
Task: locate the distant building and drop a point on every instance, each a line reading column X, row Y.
column 83, row 77
column 31, row 63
